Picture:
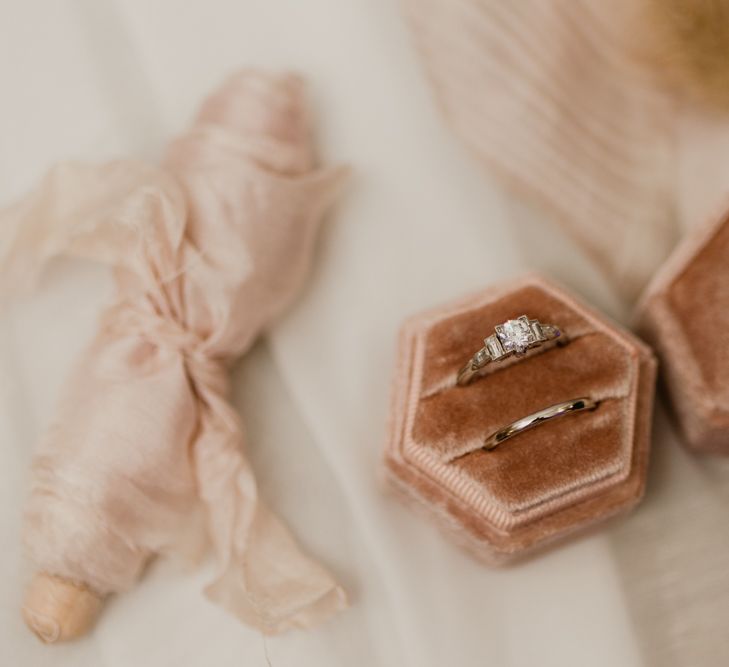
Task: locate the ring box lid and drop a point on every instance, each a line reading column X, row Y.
column 684, row 314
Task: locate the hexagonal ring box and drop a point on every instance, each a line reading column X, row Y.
column 544, row 483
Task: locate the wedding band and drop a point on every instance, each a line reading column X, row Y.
column 512, row 338
column 525, row 423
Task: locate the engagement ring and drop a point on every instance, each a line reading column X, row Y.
column 512, row 338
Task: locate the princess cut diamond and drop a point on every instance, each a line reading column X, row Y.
column 516, row 335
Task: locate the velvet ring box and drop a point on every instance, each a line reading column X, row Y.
column 684, row 314
column 545, row 483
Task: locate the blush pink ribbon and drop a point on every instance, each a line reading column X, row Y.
column 207, row 250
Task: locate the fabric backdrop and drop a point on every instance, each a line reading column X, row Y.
column 419, row 225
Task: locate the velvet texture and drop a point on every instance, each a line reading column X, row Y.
column 683, row 314
column 543, row 483
column 207, row 250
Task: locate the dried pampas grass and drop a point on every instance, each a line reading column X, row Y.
column 688, row 42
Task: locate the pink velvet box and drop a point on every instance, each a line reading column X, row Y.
column 545, row 483
column 684, row 314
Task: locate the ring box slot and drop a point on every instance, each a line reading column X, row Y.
column 545, row 482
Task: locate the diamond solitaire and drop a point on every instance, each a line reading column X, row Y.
column 515, row 335
column 512, row 338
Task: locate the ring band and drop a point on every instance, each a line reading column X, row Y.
column 525, row 423
column 512, row 338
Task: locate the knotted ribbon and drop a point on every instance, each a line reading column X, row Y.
column 206, row 250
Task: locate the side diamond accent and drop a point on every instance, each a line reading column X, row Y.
column 494, row 347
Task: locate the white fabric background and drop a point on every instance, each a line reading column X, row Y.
column 419, row 225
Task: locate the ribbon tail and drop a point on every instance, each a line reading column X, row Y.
column 265, row 578
column 110, row 213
